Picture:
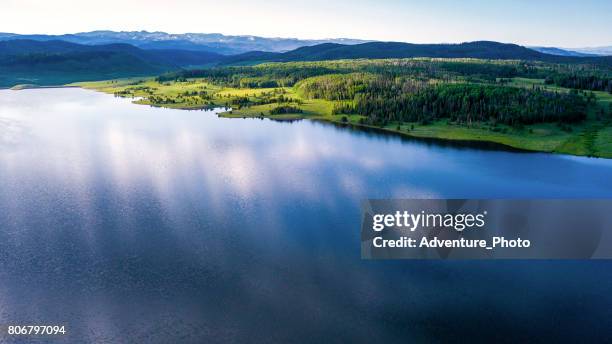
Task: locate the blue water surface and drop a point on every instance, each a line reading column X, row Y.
column 134, row 224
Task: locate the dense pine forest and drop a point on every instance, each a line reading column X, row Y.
column 467, row 103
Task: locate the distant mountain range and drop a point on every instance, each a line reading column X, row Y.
column 560, row 52
column 583, row 52
column 52, row 62
column 232, row 45
column 602, row 51
column 213, row 42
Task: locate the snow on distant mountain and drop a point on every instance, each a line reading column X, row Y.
column 213, row 42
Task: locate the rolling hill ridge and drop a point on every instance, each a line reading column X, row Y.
column 379, row 50
column 59, row 62
column 54, row 62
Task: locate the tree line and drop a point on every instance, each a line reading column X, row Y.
column 467, row 103
column 581, row 82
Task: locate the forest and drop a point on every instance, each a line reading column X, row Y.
column 424, row 90
column 467, row 103
column 467, row 69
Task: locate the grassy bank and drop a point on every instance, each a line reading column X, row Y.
column 592, row 137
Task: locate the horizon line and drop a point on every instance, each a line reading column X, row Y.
column 365, row 40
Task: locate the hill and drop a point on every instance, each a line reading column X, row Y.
column 54, row 62
column 379, row 50
column 59, row 62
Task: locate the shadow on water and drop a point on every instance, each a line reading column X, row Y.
column 380, row 133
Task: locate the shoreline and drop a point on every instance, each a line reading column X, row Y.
column 467, row 142
column 474, row 142
column 440, row 132
column 34, row 87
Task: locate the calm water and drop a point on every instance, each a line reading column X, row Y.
column 134, row 224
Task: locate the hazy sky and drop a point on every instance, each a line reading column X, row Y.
column 564, row 23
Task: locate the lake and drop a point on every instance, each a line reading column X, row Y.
column 129, row 223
